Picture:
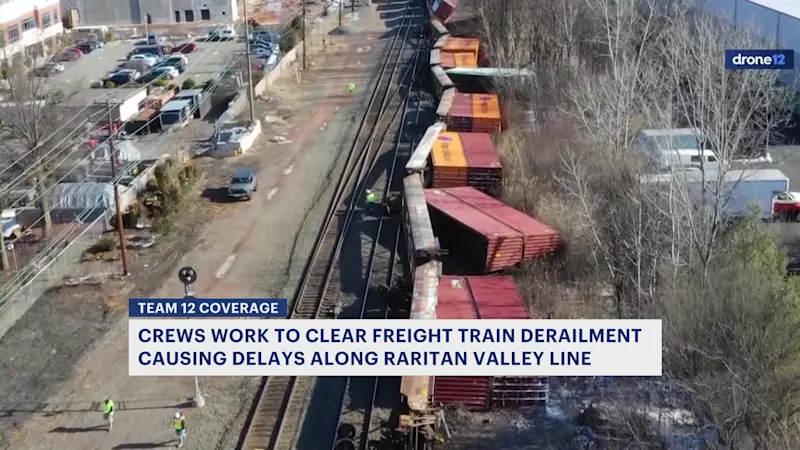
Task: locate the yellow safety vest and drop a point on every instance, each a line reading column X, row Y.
column 179, row 425
column 108, row 407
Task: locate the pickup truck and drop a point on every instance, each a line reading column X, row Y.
column 243, row 184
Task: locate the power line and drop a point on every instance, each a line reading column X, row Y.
column 106, row 95
column 33, row 269
column 34, row 166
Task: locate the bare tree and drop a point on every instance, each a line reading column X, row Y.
column 32, row 133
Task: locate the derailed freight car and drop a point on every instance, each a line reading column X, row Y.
column 415, row 391
column 485, row 297
column 421, row 243
column 486, row 234
column 441, row 82
column 418, row 161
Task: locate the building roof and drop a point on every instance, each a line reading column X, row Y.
column 693, row 176
column 176, row 105
column 789, row 8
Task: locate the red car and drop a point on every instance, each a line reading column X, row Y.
column 186, row 47
column 69, row 54
column 786, row 206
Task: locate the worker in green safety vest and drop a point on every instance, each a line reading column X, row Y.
column 180, row 428
column 371, row 198
column 351, row 87
column 108, row 412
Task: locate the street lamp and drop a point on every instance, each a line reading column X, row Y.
column 187, row 275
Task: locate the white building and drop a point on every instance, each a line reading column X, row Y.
column 28, row 27
column 778, row 21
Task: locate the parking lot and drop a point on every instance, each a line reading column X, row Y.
column 205, row 63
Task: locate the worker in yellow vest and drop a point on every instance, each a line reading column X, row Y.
column 351, row 87
column 108, row 412
column 180, row 428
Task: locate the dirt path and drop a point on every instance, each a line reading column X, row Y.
column 70, row 350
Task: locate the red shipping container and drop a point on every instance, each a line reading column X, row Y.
column 485, row 297
column 444, row 9
column 540, row 240
column 481, row 240
column 485, row 169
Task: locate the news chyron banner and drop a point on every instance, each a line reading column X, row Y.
column 220, row 343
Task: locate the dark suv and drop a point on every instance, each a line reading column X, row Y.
column 243, row 184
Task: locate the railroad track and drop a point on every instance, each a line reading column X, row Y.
column 367, row 402
column 279, row 408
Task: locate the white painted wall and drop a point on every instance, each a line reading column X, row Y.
column 12, row 9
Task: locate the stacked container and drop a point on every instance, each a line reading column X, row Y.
column 476, row 113
column 481, row 241
column 441, row 81
column 488, row 298
column 485, row 233
column 450, row 168
column 540, row 240
column 450, row 60
column 462, row 45
column 482, row 168
column 444, row 9
column 485, row 169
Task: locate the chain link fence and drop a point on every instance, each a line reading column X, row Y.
column 48, row 269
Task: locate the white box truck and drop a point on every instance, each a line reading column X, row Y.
column 740, row 190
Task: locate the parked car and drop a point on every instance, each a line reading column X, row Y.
column 265, row 35
column 178, row 63
column 223, row 35
column 135, row 64
column 186, row 47
column 88, row 46
column 55, row 66
column 243, row 184
column 121, row 77
column 150, row 60
column 45, row 71
column 157, row 50
column 154, row 39
column 69, row 54
column 166, row 72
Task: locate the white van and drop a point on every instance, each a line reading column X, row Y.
column 676, row 147
column 96, row 33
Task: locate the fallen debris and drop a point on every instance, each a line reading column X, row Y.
column 280, row 140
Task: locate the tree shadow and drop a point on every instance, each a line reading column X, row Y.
column 72, row 430
column 135, row 445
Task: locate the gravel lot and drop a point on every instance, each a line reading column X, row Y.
column 70, row 350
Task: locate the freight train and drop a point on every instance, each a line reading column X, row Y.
column 452, row 176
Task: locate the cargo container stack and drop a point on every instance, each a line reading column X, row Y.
column 485, row 233
column 475, row 113
column 443, row 9
column 485, row 297
column 449, row 164
column 481, row 167
column 460, row 45
column 450, row 60
column 540, row 240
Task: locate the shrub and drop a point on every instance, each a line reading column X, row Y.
column 188, row 83
column 104, row 244
column 110, row 37
column 163, row 225
column 110, row 85
column 172, row 86
column 161, row 83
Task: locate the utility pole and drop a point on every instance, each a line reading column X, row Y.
column 304, row 33
column 117, row 205
column 250, row 87
column 353, row 8
column 188, row 276
column 340, row 12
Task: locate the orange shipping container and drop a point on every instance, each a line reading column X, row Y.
column 462, row 45
column 451, row 60
column 486, row 106
column 450, row 167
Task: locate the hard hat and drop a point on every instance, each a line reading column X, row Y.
column 178, row 415
column 368, row 191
